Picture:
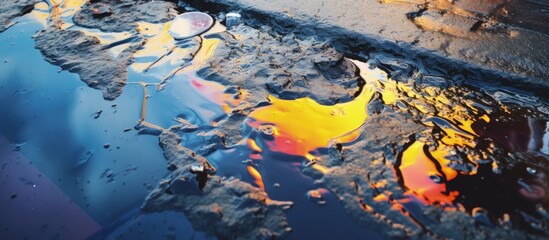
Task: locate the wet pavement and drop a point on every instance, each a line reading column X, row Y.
column 260, row 131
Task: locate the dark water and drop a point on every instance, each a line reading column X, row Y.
column 58, row 179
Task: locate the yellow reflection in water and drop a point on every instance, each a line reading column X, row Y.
column 302, row 125
column 57, row 11
column 160, row 44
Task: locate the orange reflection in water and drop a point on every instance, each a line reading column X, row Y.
column 424, row 172
column 257, row 176
column 302, row 125
column 425, row 176
column 216, row 93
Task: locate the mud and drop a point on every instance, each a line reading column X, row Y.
column 78, row 53
column 225, row 208
column 11, row 9
column 124, row 15
column 366, row 175
column 284, row 66
column 472, row 36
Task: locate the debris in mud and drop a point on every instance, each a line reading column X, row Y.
column 196, row 168
column 232, row 19
column 97, row 114
column 109, row 175
column 85, row 157
column 10, row 9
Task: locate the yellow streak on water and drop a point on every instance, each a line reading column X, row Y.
column 156, row 46
column 206, row 51
column 57, row 11
column 257, row 176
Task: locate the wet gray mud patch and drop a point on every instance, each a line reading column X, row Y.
column 78, row 53
column 367, row 174
column 119, row 16
column 226, row 208
column 284, row 66
column 10, row 9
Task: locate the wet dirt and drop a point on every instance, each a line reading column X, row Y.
column 124, row 15
column 470, row 39
column 12, row 9
column 289, row 68
column 268, row 132
column 98, row 70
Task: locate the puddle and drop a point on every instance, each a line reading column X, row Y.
column 386, row 154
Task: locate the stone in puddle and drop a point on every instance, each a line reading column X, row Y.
column 232, row 19
column 190, row 24
column 197, row 168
